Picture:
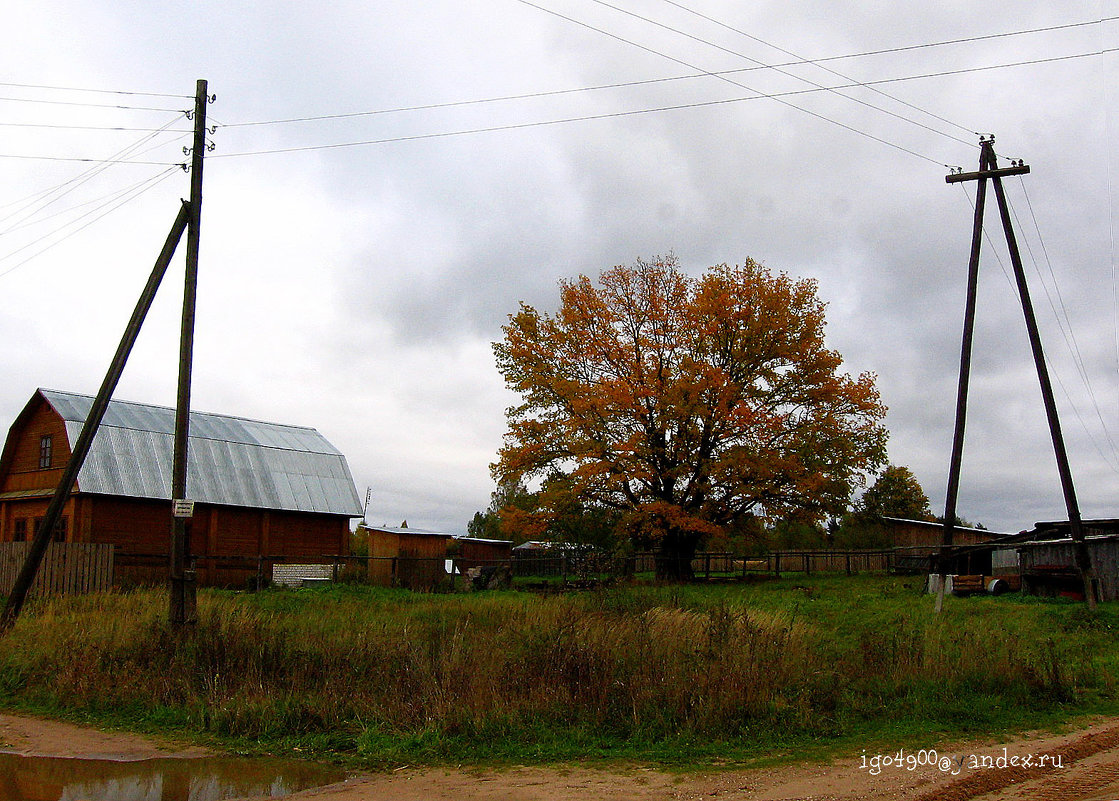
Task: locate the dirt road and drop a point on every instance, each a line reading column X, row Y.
column 1078, row 766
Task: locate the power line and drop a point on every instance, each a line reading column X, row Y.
column 691, row 76
column 1106, row 89
column 84, row 160
column 729, row 80
column 57, row 127
column 775, row 96
column 29, row 222
column 540, row 123
column 784, row 72
column 1078, row 362
column 97, row 91
column 103, row 201
column 827, row 69
column 135, row 191
column 823, row 117
column 1064, row 324
column 657, row 109
column 44, row 198
column 89, row 105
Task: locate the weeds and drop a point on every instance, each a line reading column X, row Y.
column 390, row 676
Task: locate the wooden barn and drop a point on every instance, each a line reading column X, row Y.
column 263, row 492
column 407, row 557
column 916, row 541
column 925, row 534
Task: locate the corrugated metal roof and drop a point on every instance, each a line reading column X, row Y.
column 231, row 460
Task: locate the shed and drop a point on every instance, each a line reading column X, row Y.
column 925, row 533
column 479, row 552
column 916, row 542
column 1049, row 566
column 406, row 557
column 263, row 492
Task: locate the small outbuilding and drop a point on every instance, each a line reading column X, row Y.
column 263, row 492
column 1048, row 562
column 929, row 534
column 480, row 552
column 916, row 542
column 406, row 557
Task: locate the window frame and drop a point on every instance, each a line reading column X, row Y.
column 46, row 451
column 61, row 528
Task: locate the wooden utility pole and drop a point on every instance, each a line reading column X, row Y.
column 183, row 608
column 989, row 170
column 81, row 448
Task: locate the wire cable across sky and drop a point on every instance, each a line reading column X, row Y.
column 653, row 110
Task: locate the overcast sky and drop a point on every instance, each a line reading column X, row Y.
column 357, row 288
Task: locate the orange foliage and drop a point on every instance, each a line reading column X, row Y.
column 688, row 402
column 521, row 525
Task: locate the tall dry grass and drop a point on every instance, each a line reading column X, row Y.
column 363, row 665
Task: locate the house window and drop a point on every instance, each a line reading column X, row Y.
column 19, row 533
column 59, row 530
column 45, row 451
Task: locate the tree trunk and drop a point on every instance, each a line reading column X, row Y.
column 674, row 557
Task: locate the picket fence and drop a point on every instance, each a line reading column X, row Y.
column 68, row 568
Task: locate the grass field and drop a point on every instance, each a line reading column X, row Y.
column 671, row 674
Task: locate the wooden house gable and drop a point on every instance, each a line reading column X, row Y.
column 36, row 449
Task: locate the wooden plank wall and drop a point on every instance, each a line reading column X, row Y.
column 68, row 568
column 23, row 472
column 1104, row 555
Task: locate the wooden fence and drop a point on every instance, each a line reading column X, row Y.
column 711, row 565
column 426, row 573
column 849, row 562
column 68, row 568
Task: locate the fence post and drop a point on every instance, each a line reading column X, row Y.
column 777, row 565
column 848, row 559
column 807, row 565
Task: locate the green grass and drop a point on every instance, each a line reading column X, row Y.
column 679, row 675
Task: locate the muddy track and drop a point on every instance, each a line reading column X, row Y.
column 1088, row 770
column 1081, row 775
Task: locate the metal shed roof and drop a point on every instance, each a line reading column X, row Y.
column 232, row 461
column 417, row 532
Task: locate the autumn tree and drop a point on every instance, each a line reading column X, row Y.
column 895, row 493
column 510, row 514
column 553, row 513
column 687, row 403
column 574, row 518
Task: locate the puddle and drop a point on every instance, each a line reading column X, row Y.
column 209, row 779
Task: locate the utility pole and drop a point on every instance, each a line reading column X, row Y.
column 989, row 170
column 81, row 448
column 183, row 607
